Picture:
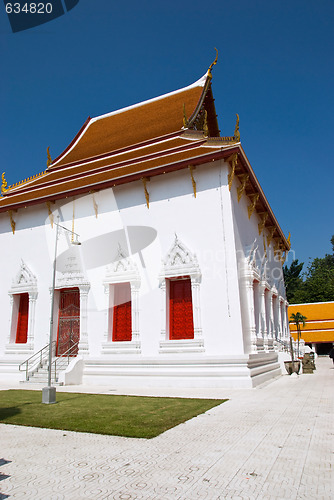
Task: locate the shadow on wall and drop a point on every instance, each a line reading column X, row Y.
column 101, row 250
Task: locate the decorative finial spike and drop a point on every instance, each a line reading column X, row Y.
column 213, row 64
column 185, row 119
column 49, row 160
column 236, row 130
column 4, row 184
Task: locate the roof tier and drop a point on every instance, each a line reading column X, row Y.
column 161, row 135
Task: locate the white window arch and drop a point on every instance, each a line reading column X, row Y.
column 180, row 262
column 122, row 271
column 25, row 282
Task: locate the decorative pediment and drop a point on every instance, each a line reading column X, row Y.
column 180, row 261
column 264, row 271
column 122, row 269
column 69, row 271
column 24, row 281
column 251, row 251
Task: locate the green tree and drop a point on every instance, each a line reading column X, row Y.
column 298, row 319
column 318, row 282
column 318, row 285
column 292, row 278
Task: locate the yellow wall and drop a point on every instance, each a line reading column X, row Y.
column 319, row 325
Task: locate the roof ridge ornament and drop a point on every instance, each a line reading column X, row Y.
column 213, row 64
column 236, row 136
column 49, row 160
column 4, row 184
column 185, row 119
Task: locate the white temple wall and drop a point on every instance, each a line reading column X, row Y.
column 259, row 272
column 204, row 224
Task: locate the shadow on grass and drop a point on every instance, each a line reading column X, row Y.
column 10, row 412
column 128, row 416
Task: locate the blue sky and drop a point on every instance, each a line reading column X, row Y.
column 275, row 69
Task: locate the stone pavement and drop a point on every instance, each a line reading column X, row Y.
column 272, row 442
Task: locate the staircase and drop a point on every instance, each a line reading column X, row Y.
column 36, row 367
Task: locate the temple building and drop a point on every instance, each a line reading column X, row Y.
column 178, row 275
column 318, row 331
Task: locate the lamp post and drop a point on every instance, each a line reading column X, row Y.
column 49, row 392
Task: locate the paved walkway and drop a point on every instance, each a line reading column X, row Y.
column 273, row 442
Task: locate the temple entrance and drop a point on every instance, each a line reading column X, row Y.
column 181, row 325
column 69, row 321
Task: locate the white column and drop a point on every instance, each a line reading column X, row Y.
column 106, row 312
column 163, row 311
column 249, row 323
column 287, row 320
column 257, row 315
column 279, row 318
column 196, row 308
column 31, row 318
column 270, row 320
column 284, row 320
column 83, row 342
column 135, row 311
column 262, row 315
column 10, row 329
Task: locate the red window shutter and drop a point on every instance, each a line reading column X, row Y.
column 122, row 328
column 22, row 320
column 181, row 325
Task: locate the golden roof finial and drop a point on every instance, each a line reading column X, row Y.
column 49, row 160
column 236, row 130
column 185, row 119
column 213, row 64
column 4, row 184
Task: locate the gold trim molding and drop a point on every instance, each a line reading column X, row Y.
column 4, row 188
column 185, row 119
column 263, row 221
column 12, row 221
column 264, row 246
column 233, row 160
column 271, row 234
column 191, row 169
column 48, row 204
column 49, row 160
column 254, row 199
column 236, row 135
column 147, row 194
column 244, row 178
column 213, row 64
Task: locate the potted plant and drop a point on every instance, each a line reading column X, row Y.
column 298, row 319
column 293, row 366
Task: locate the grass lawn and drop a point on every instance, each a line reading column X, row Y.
column 130, row 416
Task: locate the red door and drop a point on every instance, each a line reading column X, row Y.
column 22, row 319
column 181, row 325
column 69, row 321
column 122, row 329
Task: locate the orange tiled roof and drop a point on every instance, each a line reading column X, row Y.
column 319, row 324
column 154, row 118
column 143, row 140
column 48, row 187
